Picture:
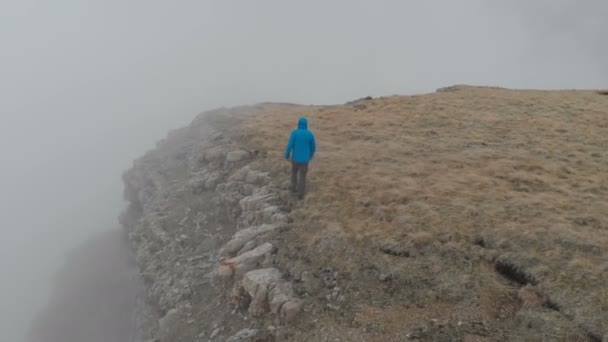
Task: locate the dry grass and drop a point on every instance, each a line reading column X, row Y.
column 487, row 172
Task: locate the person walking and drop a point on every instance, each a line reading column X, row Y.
column 300, row 150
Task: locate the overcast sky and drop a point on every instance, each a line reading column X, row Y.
column 86, row 86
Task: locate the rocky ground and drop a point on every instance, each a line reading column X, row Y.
column 473, row 214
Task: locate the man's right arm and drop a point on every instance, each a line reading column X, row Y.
column 313, row 145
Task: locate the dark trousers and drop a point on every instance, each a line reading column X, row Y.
column 298, row 178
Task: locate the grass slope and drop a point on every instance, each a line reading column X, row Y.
column 470, row 204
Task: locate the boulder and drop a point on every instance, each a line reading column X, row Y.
column 243, row 236
column 256, row 177
column 212, row 180
column 168, row 322
column 310, row 283
column 240, row 175
column 214, row 154
column 250, row 245
column 256, row 284
column 255, row 201
column 236, row 156
column 268, row 213
column 244, row 262
column 279, row 219
column 290, row 310
column 244, row 335
column 279, row 295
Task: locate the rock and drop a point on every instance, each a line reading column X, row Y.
column 236, row 156
column 256, row 284
column 290, row 310
column 240, row 175
column 256, row 177
column 242, row 237
column 214, row 154
column 384, row 277
column 214, row 333
column 244, row 262
column 197, row 181
column 212, row 181
column 279, row 219
column 250, row 245
column 243, row 335
column 254, row 202
column 269, row 211
column 168, row 322
column 278, row 295
column 310, row 283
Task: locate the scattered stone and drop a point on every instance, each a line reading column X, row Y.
column 240, row 199
column 290, row 310
column 256, row 284
column 214, row 154
column 242, row 237
column 236, row 156
column 244, row 262
column 183, row 220
column 240, row 175
column 243, row 335
column 212, row 181
column 256, row 177
column 310, row 283
column 385, row 277
column 167, row 322
column 214, row 333
column 278, row 295
column 250, row 245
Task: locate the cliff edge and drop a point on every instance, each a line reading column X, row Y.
column 471, row 214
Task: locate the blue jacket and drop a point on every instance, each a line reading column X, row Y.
column 301, row 147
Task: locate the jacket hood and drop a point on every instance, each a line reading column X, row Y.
column 303, row 123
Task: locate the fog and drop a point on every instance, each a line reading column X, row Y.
column 87, row 86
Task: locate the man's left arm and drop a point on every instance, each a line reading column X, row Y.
column 313, row 145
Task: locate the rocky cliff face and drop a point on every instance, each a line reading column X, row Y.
column 201, row 219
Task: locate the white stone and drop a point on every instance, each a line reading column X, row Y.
column 243, row 335
column 244, row 262
column 240, row 175
column 250, row 245
column 214, row 333
column 212, row 181
column 236, row 156
column 214, row 154
column 243, row 236
column 168, row 321
column 256, row 177
column 256, row 283
column 278, row 295
column 290, row 310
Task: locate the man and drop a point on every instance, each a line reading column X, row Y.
column 300, row 149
